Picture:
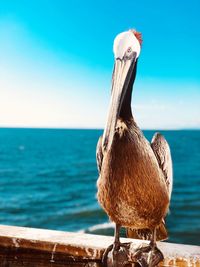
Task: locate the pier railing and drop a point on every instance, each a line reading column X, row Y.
column 30, row 247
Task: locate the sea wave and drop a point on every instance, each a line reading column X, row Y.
column 98, row 227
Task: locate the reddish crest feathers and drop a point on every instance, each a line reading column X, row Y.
column 138, row 35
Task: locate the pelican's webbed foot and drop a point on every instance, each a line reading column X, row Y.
column 116, row 255
column 148, row 256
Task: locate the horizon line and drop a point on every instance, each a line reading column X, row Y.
column 96, row 128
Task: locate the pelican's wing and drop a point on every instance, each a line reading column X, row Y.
column 162, row 152
column 99, row 154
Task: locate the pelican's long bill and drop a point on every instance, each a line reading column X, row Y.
column 123, row 70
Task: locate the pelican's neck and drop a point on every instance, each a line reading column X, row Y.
column 125, row 111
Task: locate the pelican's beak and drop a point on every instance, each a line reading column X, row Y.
column 123, row 70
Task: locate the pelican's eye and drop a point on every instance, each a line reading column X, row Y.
column 128, row 53
column 129, row 50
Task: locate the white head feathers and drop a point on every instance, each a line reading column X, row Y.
column 127, row 41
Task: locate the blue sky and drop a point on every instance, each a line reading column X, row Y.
column 56, row 62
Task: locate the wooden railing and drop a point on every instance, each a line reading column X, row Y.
column 30, row 247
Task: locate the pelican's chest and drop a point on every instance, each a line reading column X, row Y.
column 130, row 184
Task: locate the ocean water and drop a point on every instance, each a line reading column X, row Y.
column 48, row 180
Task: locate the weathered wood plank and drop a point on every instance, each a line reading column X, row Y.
column 20, row 246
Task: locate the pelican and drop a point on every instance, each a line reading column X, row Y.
column 135, row 176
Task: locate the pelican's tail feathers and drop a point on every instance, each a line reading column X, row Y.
column 146, row 234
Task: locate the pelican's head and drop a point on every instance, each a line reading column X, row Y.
column 127, row 45
column 126, row 48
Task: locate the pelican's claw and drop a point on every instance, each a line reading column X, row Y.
column 105, row 255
